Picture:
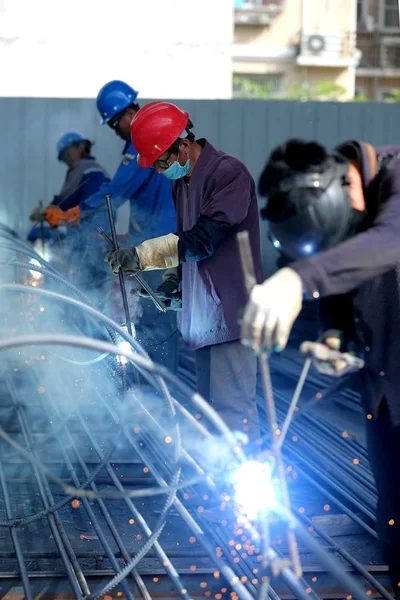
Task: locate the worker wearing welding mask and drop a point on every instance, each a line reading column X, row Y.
column 215, row 198
column 335, row 217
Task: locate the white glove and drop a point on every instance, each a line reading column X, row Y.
column 271, row 311
column 159, row 253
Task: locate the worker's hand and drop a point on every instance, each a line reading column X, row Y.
column 126, row 259
column 347, row 362
column 271, row 311
column 37, row 215
column 56, row 217
column 168, row 293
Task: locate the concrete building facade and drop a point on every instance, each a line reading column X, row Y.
column 290, row 44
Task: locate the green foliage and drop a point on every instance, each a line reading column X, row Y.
column 322, row 90
column 393, row 97
column 250, row 90
column 360, row 98
column 325, row 89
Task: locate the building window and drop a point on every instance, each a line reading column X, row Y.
column 253, row 86
column 360, row 11
column 390, row 13
column 246, row 4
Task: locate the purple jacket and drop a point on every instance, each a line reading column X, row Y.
column 222, row 189
column 369, row 266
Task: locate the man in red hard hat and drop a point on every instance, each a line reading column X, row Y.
column 215, row 198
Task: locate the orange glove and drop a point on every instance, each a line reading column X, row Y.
column 55, row 216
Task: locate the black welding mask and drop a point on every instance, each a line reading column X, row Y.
column 324, row 217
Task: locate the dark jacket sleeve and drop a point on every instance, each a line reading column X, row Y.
column 347, row 266
column 223, row 210
column 202, row 240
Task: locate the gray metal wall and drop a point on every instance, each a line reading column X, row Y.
column 29, row 129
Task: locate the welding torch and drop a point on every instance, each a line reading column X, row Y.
column 41, row 225
column 322, row 352
column 139, row 278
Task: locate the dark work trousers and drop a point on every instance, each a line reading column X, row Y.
column 383, row 440
column 226, row 376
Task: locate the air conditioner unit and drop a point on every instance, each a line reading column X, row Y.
column 390, row 52
column 323, row 44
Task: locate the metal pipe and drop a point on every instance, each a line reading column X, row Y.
column 14, row 536
column 341, row 460
column 63, row 281
column 333, row 485
column 90, row 513
column 339, row 504
column 197, row 530
column 358, row 566
column 270, row 408
column 165, row 561
column 41, row 228
column 121, row 274
column 77, row 580
column 139, row 278
column 295, row 399
column 29, row 253
column 327, row 561
column 345, row 476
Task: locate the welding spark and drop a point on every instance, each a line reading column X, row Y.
column 254, row 489
column 124, row 345
column 308, row 248
column 35, row 274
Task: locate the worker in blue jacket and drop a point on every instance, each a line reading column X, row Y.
column 66, row 245
column 152, row 211
column 83, row 178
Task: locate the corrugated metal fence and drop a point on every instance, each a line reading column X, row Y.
column 29, row 129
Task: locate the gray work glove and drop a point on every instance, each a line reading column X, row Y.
column 126, row 259
column 168, row 291
column 346, row 361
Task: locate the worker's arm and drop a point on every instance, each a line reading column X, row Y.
column 126, row 184
column 352, row 263
column 68, row 211
column 274, row 305
column 92, row 180
column 224, row 209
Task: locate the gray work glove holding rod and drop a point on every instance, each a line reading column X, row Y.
column 123, row 259
column 168, row 291
column 127, row 260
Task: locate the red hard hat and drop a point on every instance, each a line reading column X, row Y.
column 154, row 128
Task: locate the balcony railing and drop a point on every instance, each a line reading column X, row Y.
column 331, row 45
column 327, row 48
column 257, row 12
column 379, row 50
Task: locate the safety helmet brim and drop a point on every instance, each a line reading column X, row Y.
column 69, row 139
column 146, row 161
column 114, row 97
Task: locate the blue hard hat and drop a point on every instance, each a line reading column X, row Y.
column 71, row 137
column 113, row 97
